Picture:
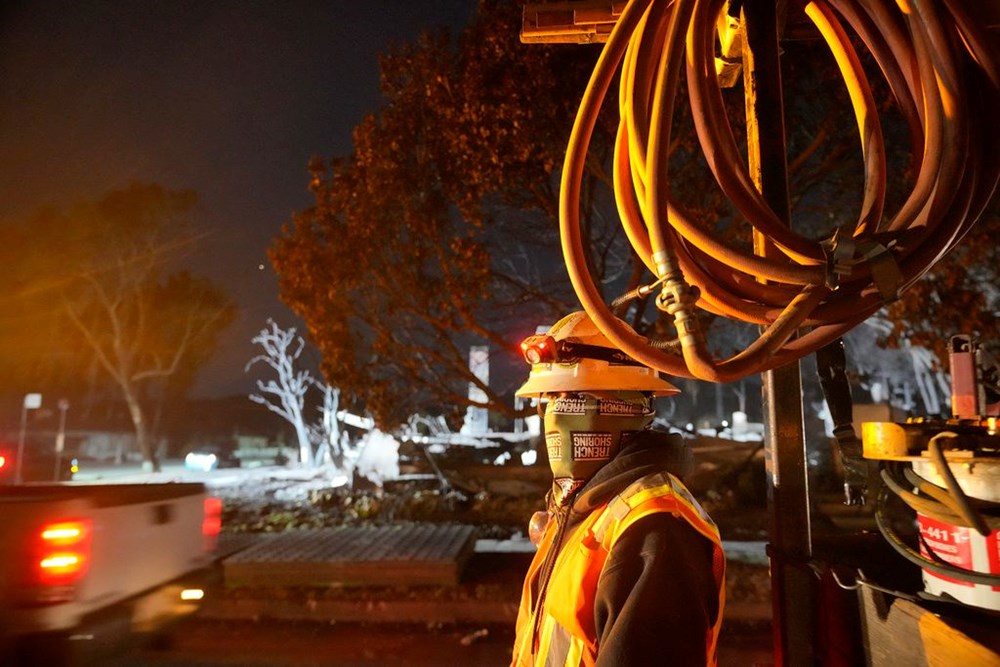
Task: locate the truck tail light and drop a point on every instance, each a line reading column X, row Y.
column 211, row 523
column 64, row 552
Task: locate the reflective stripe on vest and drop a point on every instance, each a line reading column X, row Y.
column 567, row 635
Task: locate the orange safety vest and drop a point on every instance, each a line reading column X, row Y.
column 566, row 633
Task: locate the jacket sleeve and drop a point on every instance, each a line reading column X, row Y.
column 656, row 598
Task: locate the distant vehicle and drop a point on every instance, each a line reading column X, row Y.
column 85, row 567
column 211, row 457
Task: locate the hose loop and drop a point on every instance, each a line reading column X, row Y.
column 945, row 84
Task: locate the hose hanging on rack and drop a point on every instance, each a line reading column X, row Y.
column 946, row 84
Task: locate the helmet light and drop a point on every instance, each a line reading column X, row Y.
column 539, row 349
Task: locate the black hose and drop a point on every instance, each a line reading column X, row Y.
column 926, row 506
column 941, row 495
column 933, row 502
column 937, row 567
column 968, row 512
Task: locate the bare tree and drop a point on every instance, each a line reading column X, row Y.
column 321, row 442
column 117, row 323
column 326, row 433
column 93, row 291
column 285, row 395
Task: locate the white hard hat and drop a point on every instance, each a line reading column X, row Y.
column 574, row 356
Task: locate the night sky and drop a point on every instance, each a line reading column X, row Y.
column 229, row 99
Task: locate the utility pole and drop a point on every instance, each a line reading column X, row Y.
column 60, row 437
column 31, row 402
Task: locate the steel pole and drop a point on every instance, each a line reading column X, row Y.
column 20, row 442
column 60, row 437
column 790, row 547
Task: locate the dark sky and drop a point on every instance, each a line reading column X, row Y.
column 228, row 98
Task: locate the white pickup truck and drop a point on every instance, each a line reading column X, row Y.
column 83, row 567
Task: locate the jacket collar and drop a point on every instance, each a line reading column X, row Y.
column 645, row 452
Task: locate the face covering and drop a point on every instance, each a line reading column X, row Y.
column 584, row 431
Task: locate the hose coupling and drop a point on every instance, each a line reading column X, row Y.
column 678, row 299
column 676, row 296
column 839, row 250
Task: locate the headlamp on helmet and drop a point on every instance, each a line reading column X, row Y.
column 575, row 356
column 539, row 349
column 543, row 348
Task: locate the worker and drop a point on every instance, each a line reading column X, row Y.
column 629, row 568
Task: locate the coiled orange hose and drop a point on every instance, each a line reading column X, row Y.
column 947, row 87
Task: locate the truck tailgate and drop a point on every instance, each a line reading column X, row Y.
column 140, row 536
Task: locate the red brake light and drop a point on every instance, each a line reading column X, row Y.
column 64, row 552
column 211, row 524
column 61, row 565
column 65, row 533
column 3, row 461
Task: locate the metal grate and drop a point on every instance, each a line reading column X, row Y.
column 399, row 555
